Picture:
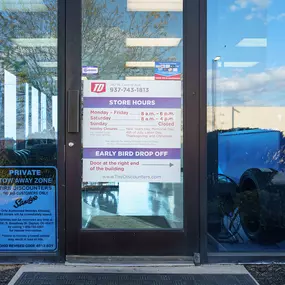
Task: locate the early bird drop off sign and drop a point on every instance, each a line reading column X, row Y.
column 28, row 209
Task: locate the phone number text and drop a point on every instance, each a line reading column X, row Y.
column 129, row 89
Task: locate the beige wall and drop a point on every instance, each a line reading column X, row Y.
column 251, row 117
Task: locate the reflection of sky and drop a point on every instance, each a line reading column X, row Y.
column 35, row 110
column 229, row 21
column 43, row 111
column 10, row 104
column 54, row 112
column 27, row 109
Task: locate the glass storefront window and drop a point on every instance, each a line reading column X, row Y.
column 28, row 130
column 245, row 122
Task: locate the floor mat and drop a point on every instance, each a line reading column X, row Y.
column 48, row 278
column 128, row 222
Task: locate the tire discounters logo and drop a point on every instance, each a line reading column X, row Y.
column 98, row 87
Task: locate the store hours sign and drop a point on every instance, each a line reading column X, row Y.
column 28, row 209
column 131, row 131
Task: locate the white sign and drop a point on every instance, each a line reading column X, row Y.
column 87, row 70
column 131, row 131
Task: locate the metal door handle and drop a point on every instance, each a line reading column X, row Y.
column 73, row 111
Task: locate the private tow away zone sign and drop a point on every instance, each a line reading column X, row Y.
column 28, row 209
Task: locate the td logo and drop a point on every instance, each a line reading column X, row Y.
column 98, row 87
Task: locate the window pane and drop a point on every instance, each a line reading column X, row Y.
column 246, row 113
column 123, row 44
column 28, row 141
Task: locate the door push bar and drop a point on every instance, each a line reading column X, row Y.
column 73, row 111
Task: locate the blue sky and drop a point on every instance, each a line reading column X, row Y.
column 229, row 21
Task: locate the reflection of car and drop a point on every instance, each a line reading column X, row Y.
column 6, row 143
column 34, row 155
column 251, row 160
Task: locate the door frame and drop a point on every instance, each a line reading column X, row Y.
column 168, row 242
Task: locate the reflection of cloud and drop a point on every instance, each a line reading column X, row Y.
column 257, row 4
column 264, row 88
column 256, row 7
column 276, row 18
column 249, row 17
column 233, row 8
column 268, row 80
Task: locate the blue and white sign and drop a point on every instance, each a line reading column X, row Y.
column 167, row 71
column 28, row 209
column 90, row 70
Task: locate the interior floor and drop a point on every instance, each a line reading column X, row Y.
column 133, row 205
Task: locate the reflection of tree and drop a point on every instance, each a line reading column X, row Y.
column 1, row 102
column 105, row 29
column 23, row 61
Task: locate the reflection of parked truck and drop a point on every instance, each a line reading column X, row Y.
column 248, row 166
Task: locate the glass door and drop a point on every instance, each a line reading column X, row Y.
column 130, row 189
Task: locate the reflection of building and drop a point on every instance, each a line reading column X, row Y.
column 247, row 117
column 24, row 109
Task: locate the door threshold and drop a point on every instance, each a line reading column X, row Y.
column 129, row 260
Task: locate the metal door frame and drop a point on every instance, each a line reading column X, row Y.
column 139, row 242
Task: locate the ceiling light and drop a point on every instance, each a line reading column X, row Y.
column 240, row 64
column 47, row 64
column 23, row 6
column 139, row 78
column 157, row 5
column 82, row 78
column 252, row 42
column 152, row 42
column 140, row 64
column 35, row 42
